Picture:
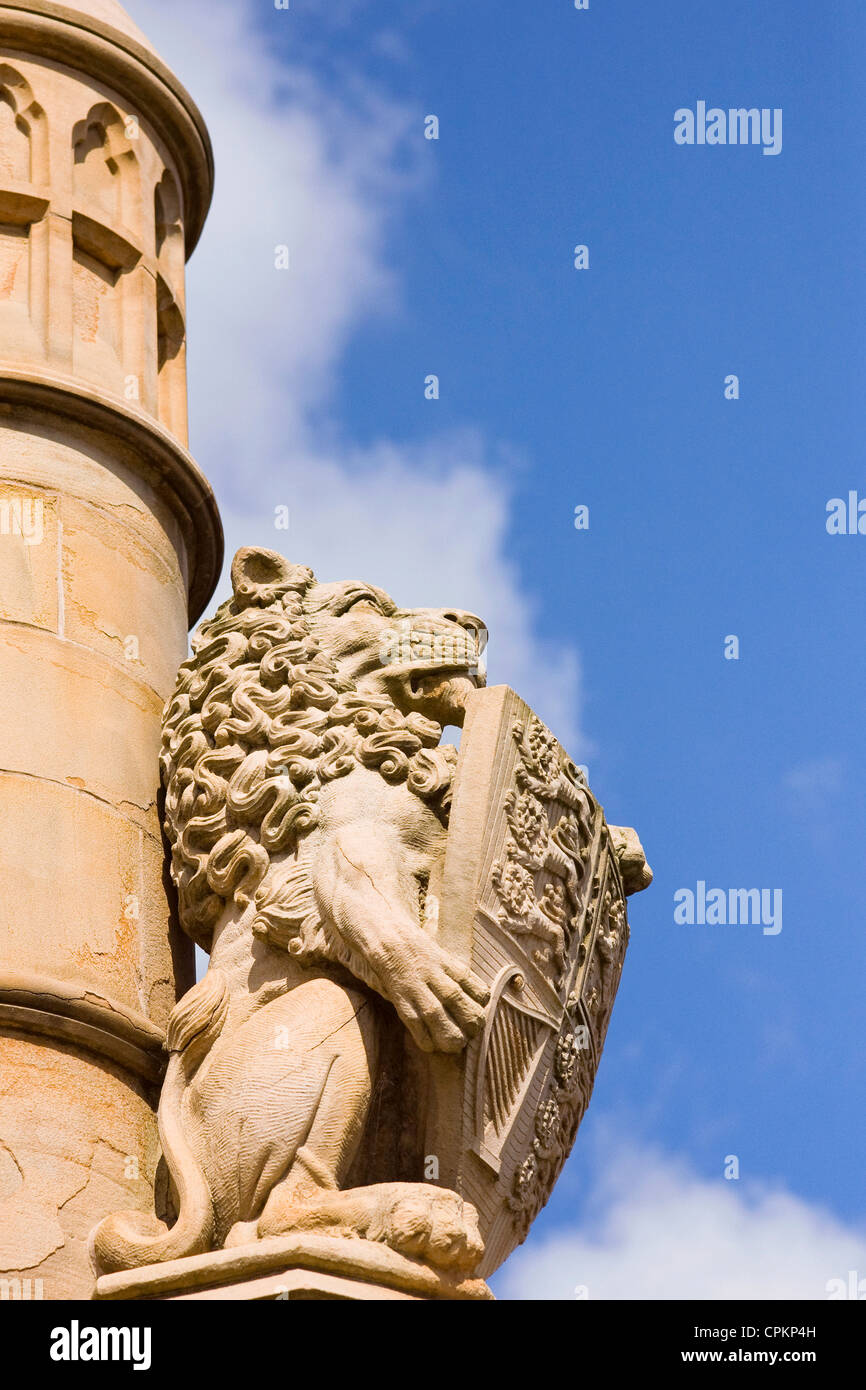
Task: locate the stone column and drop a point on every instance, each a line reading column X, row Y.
column 110, row 546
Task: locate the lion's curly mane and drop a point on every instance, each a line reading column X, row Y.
column 259, row 722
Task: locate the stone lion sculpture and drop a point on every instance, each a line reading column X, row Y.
column 306, row 807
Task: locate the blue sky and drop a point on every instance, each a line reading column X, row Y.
column 707, row 516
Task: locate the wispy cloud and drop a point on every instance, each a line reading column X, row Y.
column 659, row 1230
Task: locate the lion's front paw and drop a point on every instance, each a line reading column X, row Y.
column 431, row 1224
column 438, row 998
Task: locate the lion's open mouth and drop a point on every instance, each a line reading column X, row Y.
column 429, row 682
column 433, row 668
column 426, row 649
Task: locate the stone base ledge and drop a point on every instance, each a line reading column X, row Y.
column 73, row 1013
column 299, row 1266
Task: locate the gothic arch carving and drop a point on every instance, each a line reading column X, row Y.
column 106, row 171
column 23, row 202
column 107, row 299
column 23, row 131
column 168, row 223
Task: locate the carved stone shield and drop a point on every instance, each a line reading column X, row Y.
column 532, row 897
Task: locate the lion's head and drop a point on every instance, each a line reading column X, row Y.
column 294, row 683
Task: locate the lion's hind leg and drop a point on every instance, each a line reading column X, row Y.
column 334, row 1038
column 304, row 1067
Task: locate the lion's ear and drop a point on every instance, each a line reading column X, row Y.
column 260, row 577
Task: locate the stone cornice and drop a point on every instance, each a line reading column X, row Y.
column 81, row 41
column 65, row 1012
column 177, row 479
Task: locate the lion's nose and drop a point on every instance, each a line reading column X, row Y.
column 470, row 621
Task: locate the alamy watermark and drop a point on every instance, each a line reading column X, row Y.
column 22, row 516
column 846, row 517
column 853, row 1287
column 738, row 125
column 733, row 907
column 21, row 1290
column 77, row 1343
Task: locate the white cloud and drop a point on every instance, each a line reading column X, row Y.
column 664, row 1232
column 324, row 167
column 429, row 535
column 295, row 166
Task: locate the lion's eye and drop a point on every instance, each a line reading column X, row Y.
column 364, row 601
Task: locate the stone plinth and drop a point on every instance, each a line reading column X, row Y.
column 293, row 1267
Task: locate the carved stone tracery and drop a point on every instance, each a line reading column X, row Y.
column 549, row 879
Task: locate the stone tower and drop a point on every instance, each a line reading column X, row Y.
column 110, row 545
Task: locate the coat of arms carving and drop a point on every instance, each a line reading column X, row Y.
column 533, row 897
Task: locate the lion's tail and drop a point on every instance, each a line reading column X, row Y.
column 128, row 1239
